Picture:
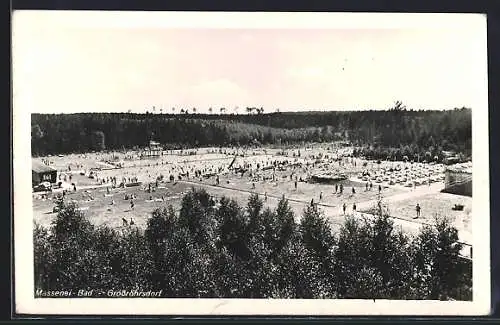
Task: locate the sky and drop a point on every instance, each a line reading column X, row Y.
column 110, row 62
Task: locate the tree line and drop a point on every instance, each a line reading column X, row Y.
column 224, row 250
column 422, row 131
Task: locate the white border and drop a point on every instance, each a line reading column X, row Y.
column 157, row 19
column 25, row 302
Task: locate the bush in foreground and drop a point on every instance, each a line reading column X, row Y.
column 220, row 249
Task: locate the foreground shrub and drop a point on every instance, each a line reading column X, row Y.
column 440, row 273
column 224, row 250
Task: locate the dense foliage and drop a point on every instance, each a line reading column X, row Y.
column 220, row 249
column 397, row 128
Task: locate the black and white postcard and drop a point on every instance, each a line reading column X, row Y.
column 196, row 163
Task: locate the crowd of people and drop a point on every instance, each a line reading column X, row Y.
column 291, row 166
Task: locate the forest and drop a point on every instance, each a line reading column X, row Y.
column 217, row 248
column 395, row 132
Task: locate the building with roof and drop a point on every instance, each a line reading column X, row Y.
column 153, row 150
column 42, row 173
column 458, row 179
